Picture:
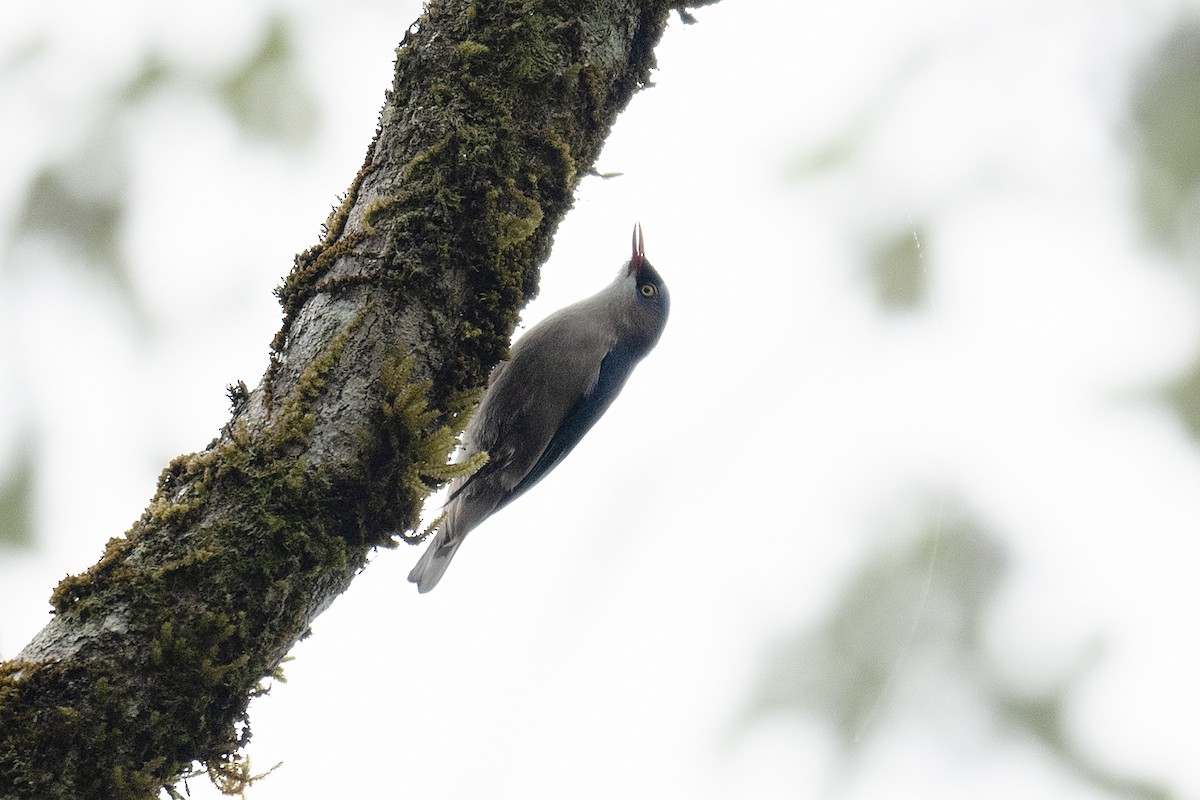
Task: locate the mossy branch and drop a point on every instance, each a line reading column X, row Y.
column 391, row 324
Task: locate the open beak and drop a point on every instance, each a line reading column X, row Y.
column 639, row 250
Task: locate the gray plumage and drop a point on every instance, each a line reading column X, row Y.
column 560, row 378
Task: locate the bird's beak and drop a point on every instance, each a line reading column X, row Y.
column 639, row 251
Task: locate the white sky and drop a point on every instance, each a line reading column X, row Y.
column 602, row 636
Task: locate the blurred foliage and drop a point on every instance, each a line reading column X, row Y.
column 1165, row 116
column 20, row 55
column 914, row 616
column 16, row 490
column 267, row 94
column 832, row 154
column 1183, row 396
column 902, row 606
column 154, row 74
column 79, row 201
column 842, row 147
column 82, row 216
column 1044, row 719
column 897, row 270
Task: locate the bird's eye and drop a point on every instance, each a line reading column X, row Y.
column 648, row 290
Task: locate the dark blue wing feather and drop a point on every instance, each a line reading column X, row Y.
column 614, row 371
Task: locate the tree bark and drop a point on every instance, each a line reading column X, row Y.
column 391, row 325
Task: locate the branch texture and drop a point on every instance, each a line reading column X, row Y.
column 391, row 325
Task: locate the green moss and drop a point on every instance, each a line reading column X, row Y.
column 202, row 642
column 314, row 264
column 99, row 719
column 424, row 436
column 562, row 152
column 476, row 194
column 515, row 228
column 304, row 279
column 469, row 50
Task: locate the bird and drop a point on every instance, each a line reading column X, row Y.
column 560, row 377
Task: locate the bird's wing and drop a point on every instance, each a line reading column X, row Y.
column 614, row 371
column 526, row 401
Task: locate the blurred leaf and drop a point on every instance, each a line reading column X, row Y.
column 1183, row 397
column 267, row 95
column 155, row 73
column 863, row 124
column 897, row 269
column 85, row 222
column 905, row 604
column 21, row 54
column 16, row 496
column 1043, row 717
column 919, row 611
column 80, row 202
column 1166, row 116
column 829, row 155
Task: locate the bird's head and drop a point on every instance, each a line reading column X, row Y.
column 644, row 294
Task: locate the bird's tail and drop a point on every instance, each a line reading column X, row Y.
column 432, row 565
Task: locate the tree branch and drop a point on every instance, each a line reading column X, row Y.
column 391, row 325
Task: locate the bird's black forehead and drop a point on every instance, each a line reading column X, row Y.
column 648, row 274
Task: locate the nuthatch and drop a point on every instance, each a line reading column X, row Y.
column 561, row 377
